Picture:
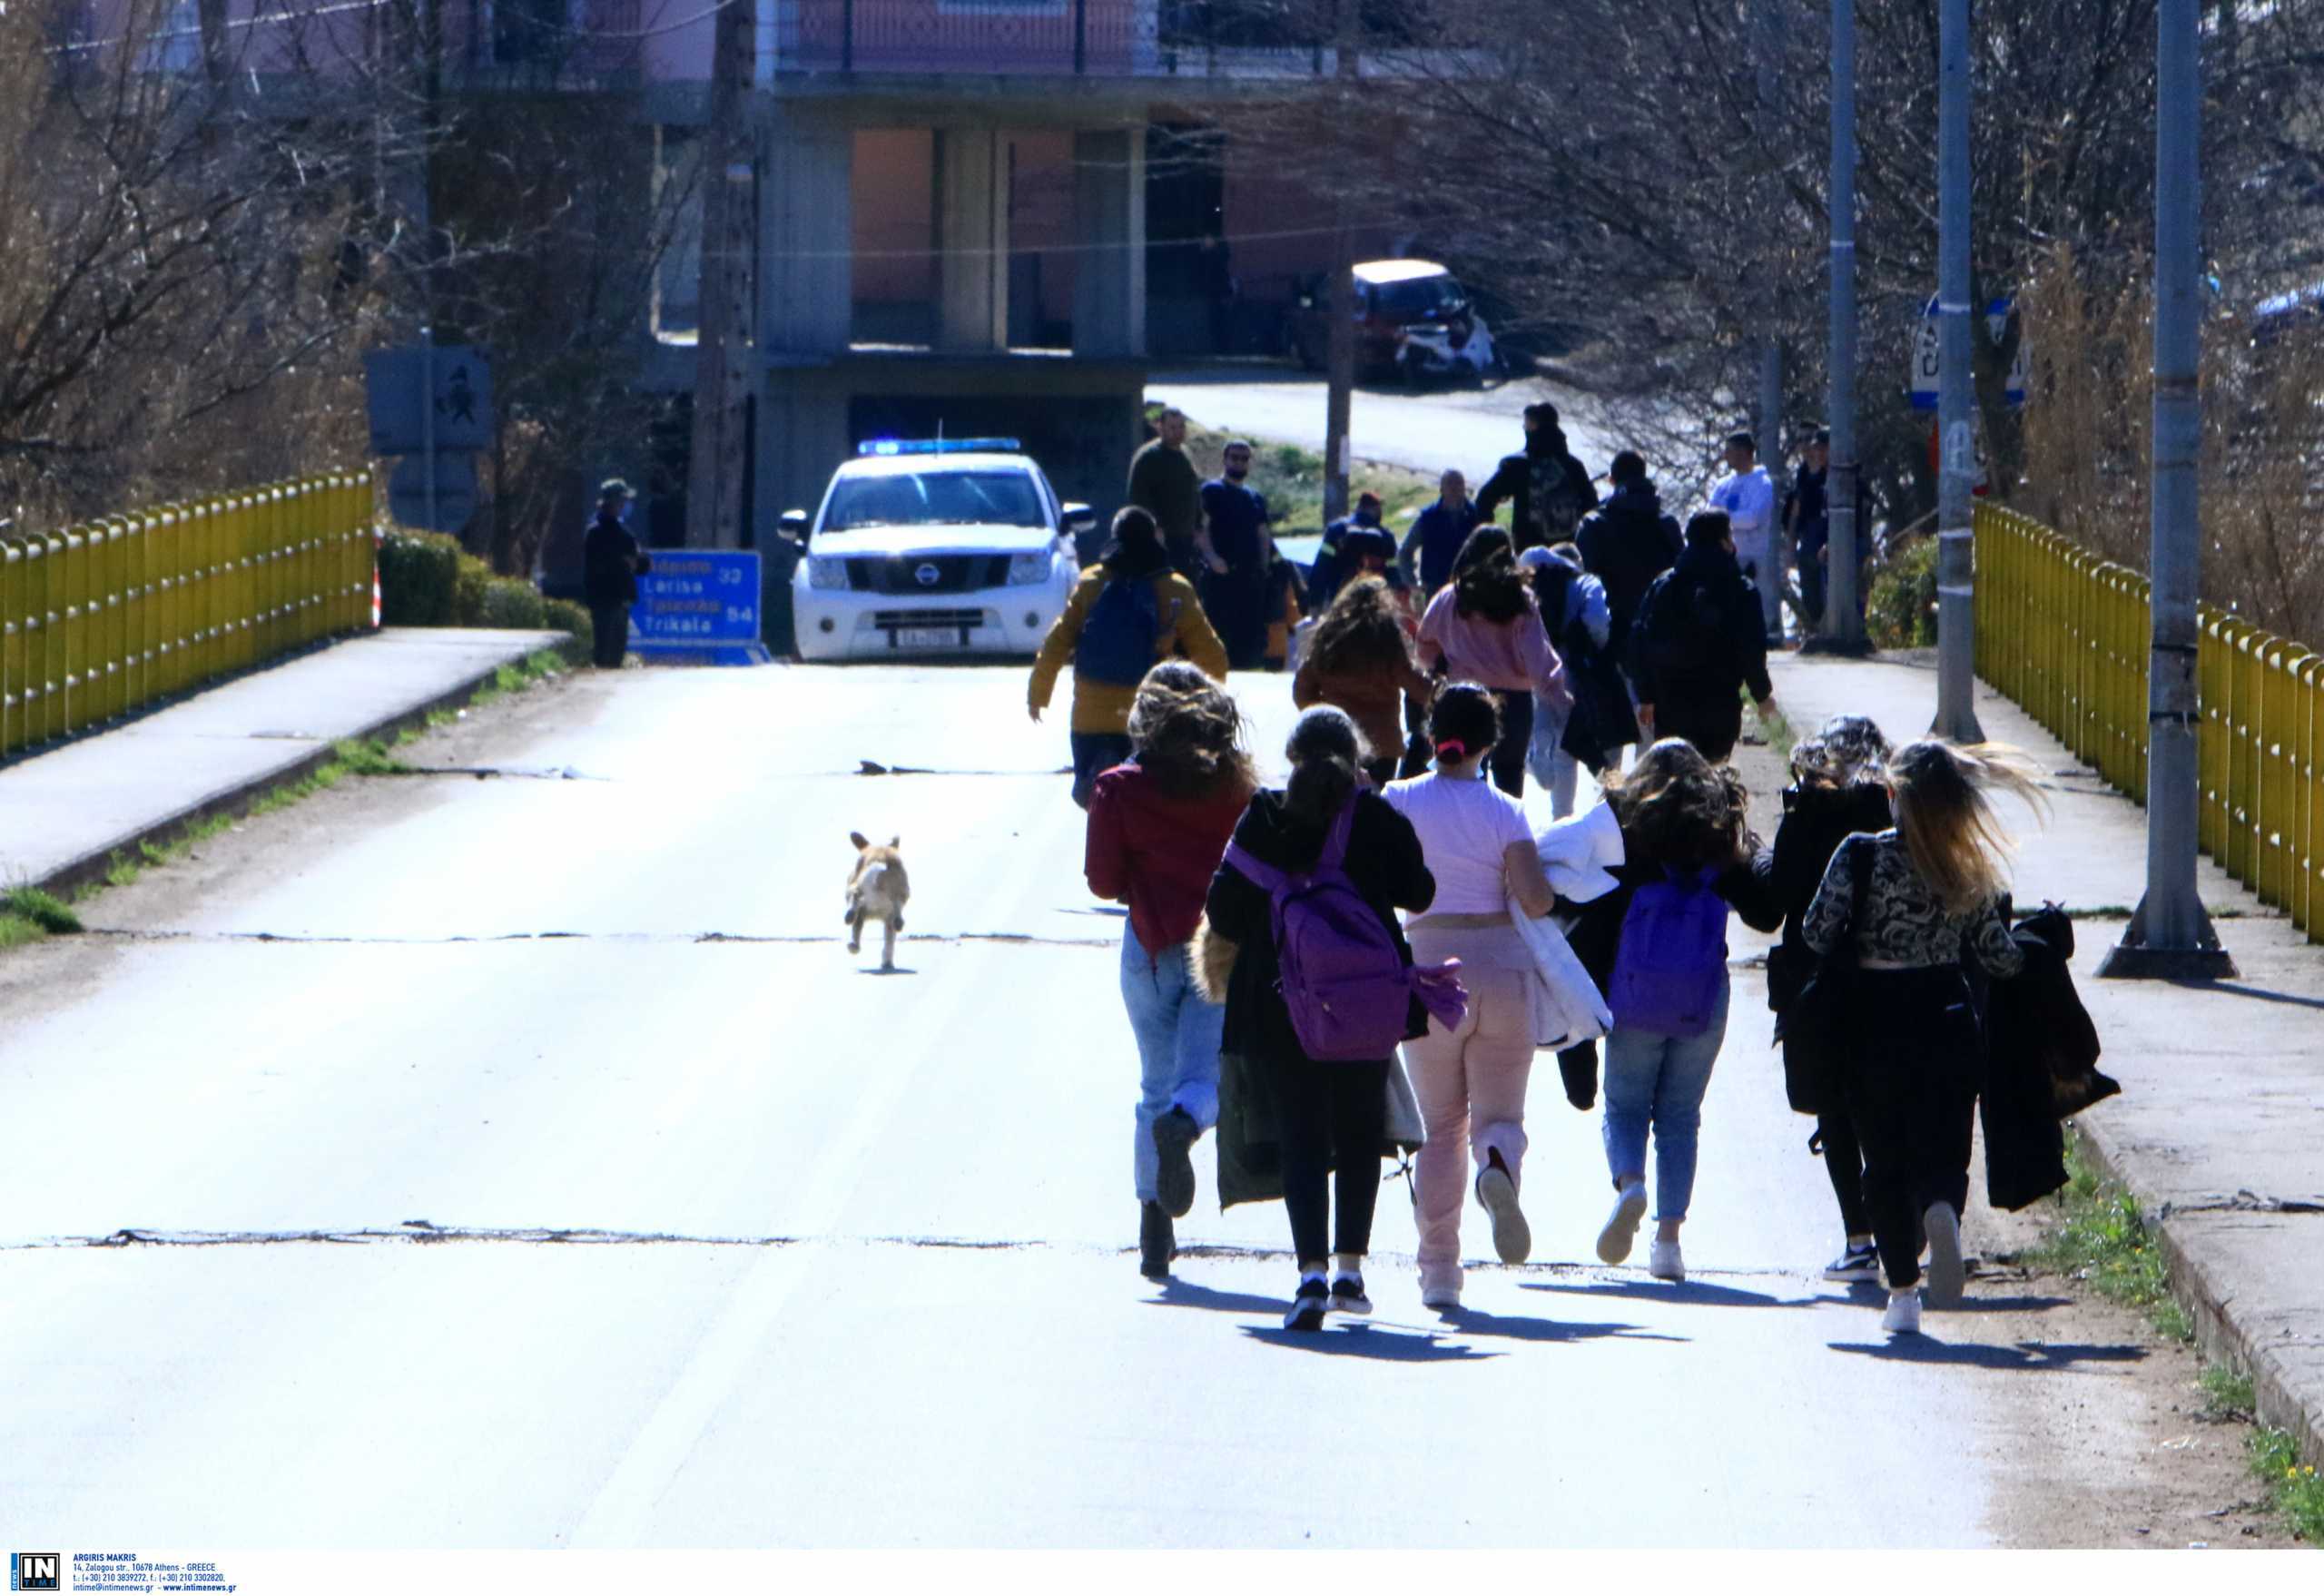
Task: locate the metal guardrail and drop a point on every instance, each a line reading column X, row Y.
column 2066, row 635
column 102, row 618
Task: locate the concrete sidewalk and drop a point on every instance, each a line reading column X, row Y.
column 70, row 808
column 2217, row 1129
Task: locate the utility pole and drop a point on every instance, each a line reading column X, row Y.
column 1843, row 626
column 1339, row 348
column 1770, row 423
column 1956, row 677
column 2171, row 937
column 726, row 354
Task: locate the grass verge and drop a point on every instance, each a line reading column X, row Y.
column 2103, row 1240
column 1771, row 728
column 1292, row 478
column 27, row 914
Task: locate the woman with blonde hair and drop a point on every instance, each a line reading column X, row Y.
column 1933, row 889
column 1158, row 826
column 1360, row 661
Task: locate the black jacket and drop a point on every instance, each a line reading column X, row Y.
column 1383, row 861
column 1699, row 638
column 2041, row 1053
column 610, row 563
column 1512, row 480
column 1626, row 543
column 1816, row 822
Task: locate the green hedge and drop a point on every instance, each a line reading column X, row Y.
column 1902, row 610
column 427, row 579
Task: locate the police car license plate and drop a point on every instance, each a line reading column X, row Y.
column 928, row 637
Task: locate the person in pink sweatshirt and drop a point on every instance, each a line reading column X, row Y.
column 1484, row 627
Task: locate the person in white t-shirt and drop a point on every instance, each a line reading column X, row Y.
column 1748, row 494
column 1471, row 1080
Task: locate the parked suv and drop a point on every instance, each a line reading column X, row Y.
column 927, row 547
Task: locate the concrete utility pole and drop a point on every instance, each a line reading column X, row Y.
column 1770, row 422
column 1339, row 348
column 726, row 351
column 1956, row 677
column 1843, row 626
column 2170, row 938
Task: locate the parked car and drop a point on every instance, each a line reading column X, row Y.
column 1414, row 321
column 924, row 547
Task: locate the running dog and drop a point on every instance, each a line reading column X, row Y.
column 877, row 889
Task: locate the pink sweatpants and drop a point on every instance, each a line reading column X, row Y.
column 1471, row 1083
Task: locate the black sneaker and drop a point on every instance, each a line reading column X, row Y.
column 1174, row 1138
column 1348, row 1296
column 1155, row 1241
column 1309, row 1307
column 1855, row 1264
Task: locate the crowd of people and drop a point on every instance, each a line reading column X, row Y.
column 1371, row 957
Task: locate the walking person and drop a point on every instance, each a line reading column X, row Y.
column 1747, row 496
column 1164, row 483
column 1484, row 627
column 1657, row 946
column 1127, row 612
column 1437, row 535
column 611, row 562
column 1470, row 1078
column 1807, row 519
column 1330, row 1115
column 1696, row 646
column 1356, row 545
column 1626, row 543
column 1548, row 490
column 1234, row 550
column 1158, row 825
column 1934, row 892
column 1839, row 787
column 1574, row 613
column 1359, row 659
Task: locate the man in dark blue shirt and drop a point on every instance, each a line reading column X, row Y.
column 1234, row 550
column 1437, row 535
column 1350, row 543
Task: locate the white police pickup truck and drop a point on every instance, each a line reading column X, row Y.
column 948, row 547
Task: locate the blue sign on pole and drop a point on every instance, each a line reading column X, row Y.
column 699, row 607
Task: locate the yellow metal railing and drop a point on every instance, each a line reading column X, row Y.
column 102, row 619
column 2065, row 635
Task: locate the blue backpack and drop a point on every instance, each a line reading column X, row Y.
column 1118, row 635
column 1672, row 958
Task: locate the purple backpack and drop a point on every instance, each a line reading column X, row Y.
column 1672, row 957
column 1344, row 981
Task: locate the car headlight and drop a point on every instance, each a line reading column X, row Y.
column 1025, row 569
column 826, row 571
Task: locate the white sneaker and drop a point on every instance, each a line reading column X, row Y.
column 1621, row 1224
column 1512, row 1238
column 1664, row 1262
column 1904, row 1314
column 1945, row 1268
column 1443, row 1299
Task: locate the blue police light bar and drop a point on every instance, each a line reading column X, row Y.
column 938, row 446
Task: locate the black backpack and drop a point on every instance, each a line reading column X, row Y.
column 1684, row 634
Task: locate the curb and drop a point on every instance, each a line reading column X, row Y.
column 94, row 865
column 2210, row 1307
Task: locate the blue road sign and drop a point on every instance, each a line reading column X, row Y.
column 699, row 607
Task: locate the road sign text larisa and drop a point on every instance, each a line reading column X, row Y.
column 699, row 603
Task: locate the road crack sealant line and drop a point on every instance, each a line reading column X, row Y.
column 135, row 934
column 2244, row 1202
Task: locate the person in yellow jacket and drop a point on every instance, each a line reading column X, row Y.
column 1128, row 610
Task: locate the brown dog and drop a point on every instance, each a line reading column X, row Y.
column 877, row 889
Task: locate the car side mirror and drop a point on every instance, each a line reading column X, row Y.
column 794, row 524
column 1079, row 518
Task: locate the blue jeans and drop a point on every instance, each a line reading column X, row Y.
column 1095, row 754
column 1178, row 1035
column 1656, row 1079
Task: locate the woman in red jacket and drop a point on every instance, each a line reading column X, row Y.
column 1158, row 826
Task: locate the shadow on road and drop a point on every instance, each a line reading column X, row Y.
column 1366, row 1341
column 1473, row 1322
column 2030, row 1357
column 1692, row 1293
column 2006, row 1305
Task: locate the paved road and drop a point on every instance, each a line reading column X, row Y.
column 1469, row 429
column 526, row 1163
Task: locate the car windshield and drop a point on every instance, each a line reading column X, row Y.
column 935, row 498
column 1418, row 297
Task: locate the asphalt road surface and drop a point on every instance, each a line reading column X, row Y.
column 519, row 1158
